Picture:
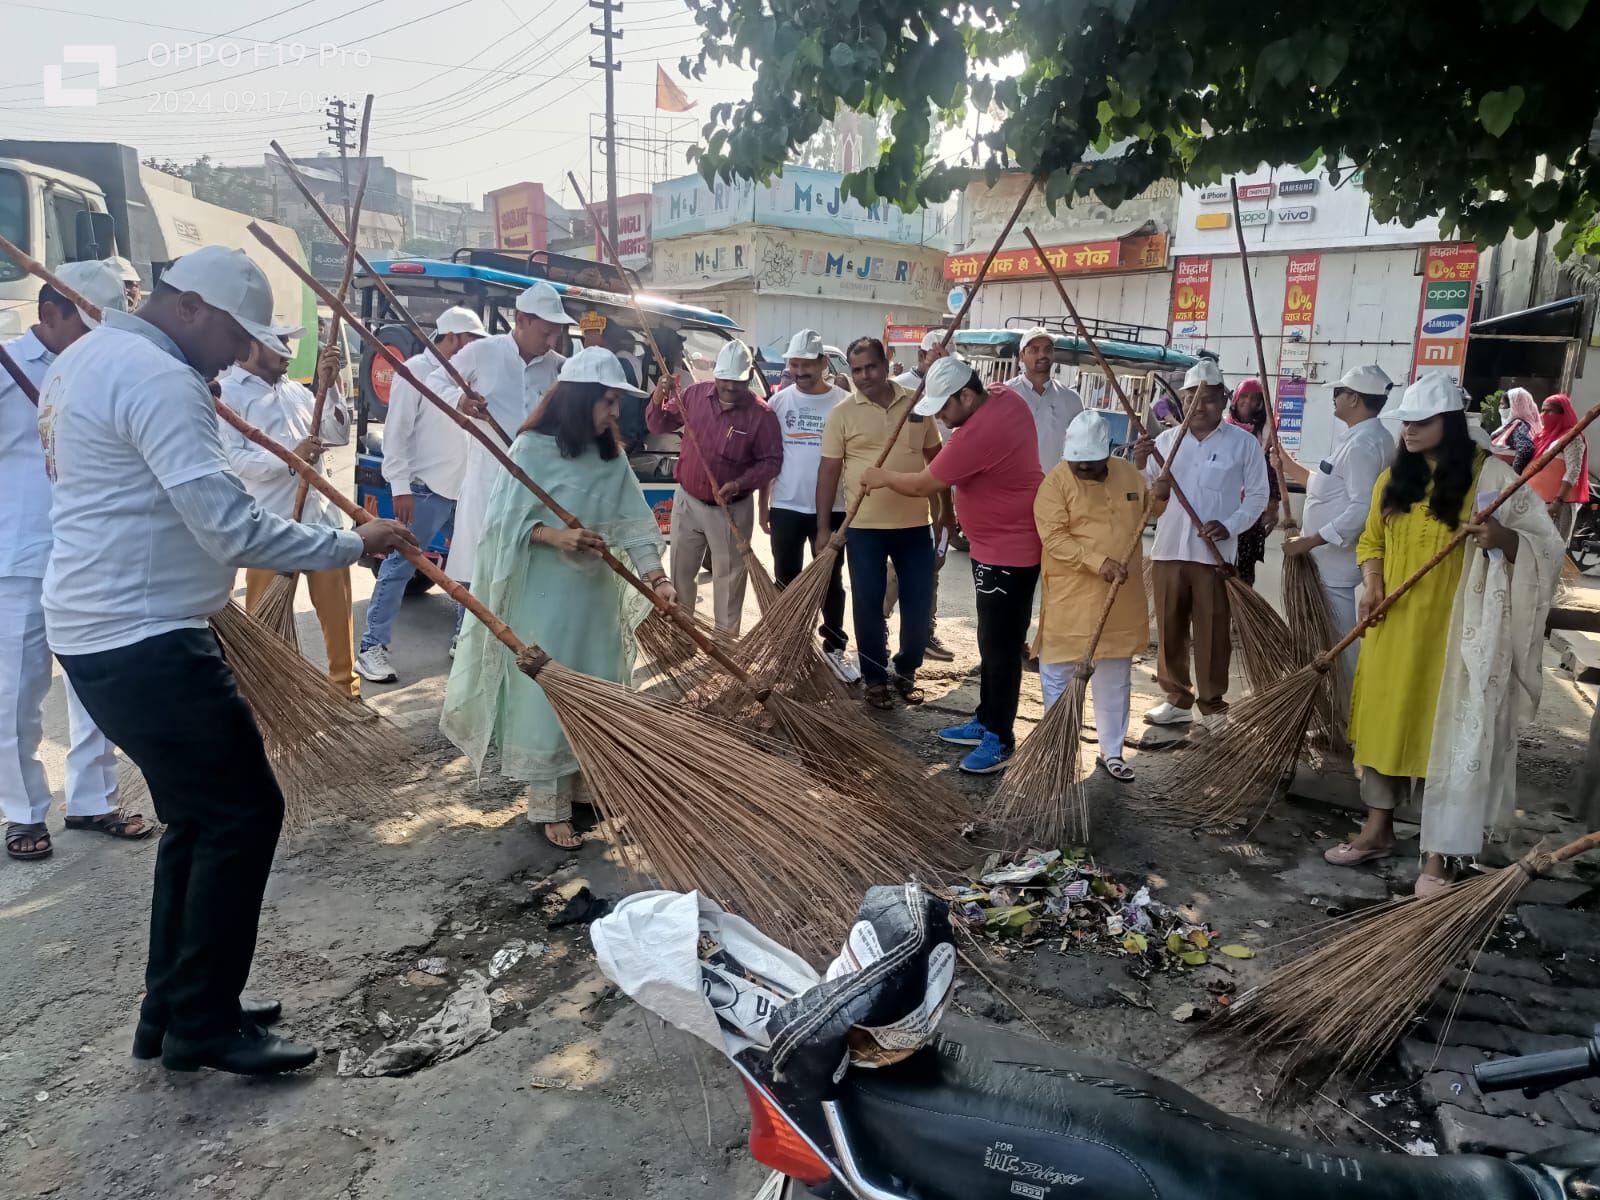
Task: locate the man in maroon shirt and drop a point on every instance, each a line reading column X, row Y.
column 743, row 446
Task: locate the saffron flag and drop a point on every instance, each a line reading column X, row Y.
column 669, row 96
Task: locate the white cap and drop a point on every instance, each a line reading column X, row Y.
column 125, row 268
column 1088, row 438
column 544, row 302
column 945, row 378
column 931, row 340
column 99, row 283
column 460, row 320
column 805, row 344
column 1038, row 331
column 1370, row 380
column 1205, row 371
column 228, row 280
column 596, row 364
column 733, row 362
column 1432, row 394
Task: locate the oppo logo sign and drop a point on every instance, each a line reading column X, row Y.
column 1443, row 324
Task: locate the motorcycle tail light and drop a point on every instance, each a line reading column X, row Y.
column 775, row 1143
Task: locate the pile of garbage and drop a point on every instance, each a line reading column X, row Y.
column 1064, row 897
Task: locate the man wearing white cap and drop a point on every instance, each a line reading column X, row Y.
column 150, row 527
column 258, row 388
column 789, row 502
column 24, row 550
column 991, row 463
column 1052, row 403
column 424, row 460
column 509, row 373
column 132, row 288
column 929, row 351
column 1222, row 472
column 740, row 436
column 1339, row 493
column 1089, row 512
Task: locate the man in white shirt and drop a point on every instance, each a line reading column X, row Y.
column 424, row 459
column 1339, row 493
column 259, row 390
column 1052, row 403
column 510, row 373
column 789, row 502
column 150, row 527
column 25, row 663
column 1223, row 474
column 929, row 352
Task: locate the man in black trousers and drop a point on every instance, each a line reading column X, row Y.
column 149, row 529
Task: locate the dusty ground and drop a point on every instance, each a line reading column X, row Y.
column 351, row 912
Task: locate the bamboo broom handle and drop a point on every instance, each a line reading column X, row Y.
column 325, row 378
column 406, row 318
column 1324, row 661
column 1261, row 354
column 665, row 607
column 24, row 384
column 837, row 539
column 742, row 542
column 1122, row 397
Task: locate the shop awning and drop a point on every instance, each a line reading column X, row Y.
column 1559, row 318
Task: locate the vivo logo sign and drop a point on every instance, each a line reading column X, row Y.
column 1442, row 324
column 1297, row 216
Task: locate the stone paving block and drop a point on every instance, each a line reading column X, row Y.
column 1582, row 1111
column 1318, row 878
column 1561, row 930
column 1479, row 1034
column 1457, row 1088
column 1517, row 968
column 1559, row 893
column 1579, row 968
column 1481, row 1006
column 1450, row 1087
column 1418, row 1057
column 1464, row 1132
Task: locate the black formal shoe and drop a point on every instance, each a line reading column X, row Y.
column 147, row 1037
column 249, row 1051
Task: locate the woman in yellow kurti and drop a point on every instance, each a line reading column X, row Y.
column 1089, row 511
column 1398, row 725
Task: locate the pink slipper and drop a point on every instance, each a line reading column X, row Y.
column 1428, row 886
column 1346, row 855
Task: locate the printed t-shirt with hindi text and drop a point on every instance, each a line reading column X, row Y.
column 857, row 431
column 801, row 418
column 992, row 461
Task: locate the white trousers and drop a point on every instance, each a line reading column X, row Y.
column 1110, row 688
column 1342, row 600
column 24, row 683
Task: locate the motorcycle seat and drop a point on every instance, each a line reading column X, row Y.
column 981, row 1114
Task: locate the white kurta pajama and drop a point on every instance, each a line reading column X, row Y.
column 496, row 370
column 1493, row 674
column 25, row 662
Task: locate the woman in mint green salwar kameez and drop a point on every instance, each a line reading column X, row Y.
column 546, row 581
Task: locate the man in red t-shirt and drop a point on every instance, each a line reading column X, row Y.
column 992, row 462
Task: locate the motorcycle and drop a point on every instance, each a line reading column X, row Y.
column 862, row 1088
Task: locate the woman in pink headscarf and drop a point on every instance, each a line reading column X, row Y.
column 1517, row 433
column 1564, row 484
column 1249, row 412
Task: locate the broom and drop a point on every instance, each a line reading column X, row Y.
column 1041, row 799
column 1335, row 1011
column 1222, row 780
column 317, row 740
column 275, row 607
column 780, row 645
column 858, row 762
column 1305, row 603
column 699, row 806
column 1263, row 639
column 766, row 590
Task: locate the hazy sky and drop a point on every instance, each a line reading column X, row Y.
column 470, row 94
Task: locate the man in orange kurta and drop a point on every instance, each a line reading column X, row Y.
column 1090, row 513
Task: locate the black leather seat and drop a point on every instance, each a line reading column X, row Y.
column 984, row 1115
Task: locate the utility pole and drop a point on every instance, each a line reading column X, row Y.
column 608, row 34
column 343, row 126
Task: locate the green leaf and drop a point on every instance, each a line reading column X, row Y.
column 1563, row 13
column 1280, row 61
column 1194, row 958
column 1496, row 109
column 1175, row 942
column 1236, row 951
column 1328, row 59
column 842, row 57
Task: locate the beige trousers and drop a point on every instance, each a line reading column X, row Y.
column 330, row 597
column 697, row 526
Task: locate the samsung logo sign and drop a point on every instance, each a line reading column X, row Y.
column 1443, row 324
column 1297, row 187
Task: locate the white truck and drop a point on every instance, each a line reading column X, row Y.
column 66, row 201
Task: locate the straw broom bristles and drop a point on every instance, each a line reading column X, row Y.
column 1336, row 1011
column 1310, row 619
column 275, row 607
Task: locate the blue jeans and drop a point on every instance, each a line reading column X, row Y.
column 429, row 515
column 869, row 552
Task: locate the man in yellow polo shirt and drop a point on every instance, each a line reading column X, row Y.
column 889, row 527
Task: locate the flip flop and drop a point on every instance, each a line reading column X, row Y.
column 17, row 833
column 1346, row 855
column 1117, row 769
column 115, row 824
column 577, row 842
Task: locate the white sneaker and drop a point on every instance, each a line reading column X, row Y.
column 1216, row 724
column 454, row 638
column 1167, row 713
column 842, row 666
column 373, row 663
